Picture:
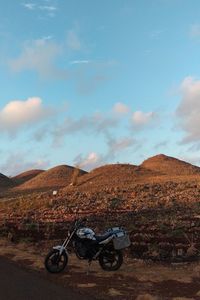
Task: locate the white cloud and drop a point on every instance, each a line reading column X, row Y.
column 188, row 111
column 30, row 6
column 45, row 38
column 20, row 113
column 121, row 108
column 49, row 8
column 141, row 119
column 76, row 62
column 91, row 161
column 73, row 40
column 40, row 56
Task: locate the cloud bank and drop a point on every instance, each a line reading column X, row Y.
column 188, row 110
column 18, row 113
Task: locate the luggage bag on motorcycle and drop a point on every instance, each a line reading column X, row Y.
column 121, row 239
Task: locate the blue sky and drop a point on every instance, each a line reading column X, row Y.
column 94, row 82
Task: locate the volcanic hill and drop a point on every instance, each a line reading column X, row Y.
column 114, row 175
column 56, row 177
column 167, row 165
column 5, row 182
column 158, row 203
column 160, row 179
column 25, row 176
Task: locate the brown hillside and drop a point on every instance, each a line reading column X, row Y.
column 147, row 185
column 113, row 175
column 25, row 176
column 5, row 182
column 56, row 177
column 170, row 166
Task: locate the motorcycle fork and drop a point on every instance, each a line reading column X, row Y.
column 68, row 239
column 65, row 243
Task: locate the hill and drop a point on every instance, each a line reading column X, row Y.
column 113, row 175
column 25, row 176
column 157, row 181
column 56, row 177
column 167, row 165
column 5, row 182
column 158, row 202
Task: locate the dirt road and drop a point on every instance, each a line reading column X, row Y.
column 17, row 283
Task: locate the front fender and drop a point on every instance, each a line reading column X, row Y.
column 60, row 248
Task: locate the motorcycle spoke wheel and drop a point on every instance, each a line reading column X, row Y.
column 54, row 262
column 110, row 263
column 111, row 260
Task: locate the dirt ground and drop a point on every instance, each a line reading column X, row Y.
column 137, row 279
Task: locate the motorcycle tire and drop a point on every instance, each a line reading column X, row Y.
column 55, row 262
column 111, row 260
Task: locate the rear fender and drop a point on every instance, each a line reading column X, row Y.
column 104, row 242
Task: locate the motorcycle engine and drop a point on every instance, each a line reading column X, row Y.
column 85, row 249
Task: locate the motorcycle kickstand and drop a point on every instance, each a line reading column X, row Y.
column 88, row 269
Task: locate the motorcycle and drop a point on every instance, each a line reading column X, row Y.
column 106, row 248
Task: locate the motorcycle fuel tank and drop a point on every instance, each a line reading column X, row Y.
column 86, row 233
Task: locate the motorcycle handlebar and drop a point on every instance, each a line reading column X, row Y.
column 80, row 221
column 84, row 220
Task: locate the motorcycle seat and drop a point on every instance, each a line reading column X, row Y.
column 100, row 238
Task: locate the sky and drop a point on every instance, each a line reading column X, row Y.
column 92, row 82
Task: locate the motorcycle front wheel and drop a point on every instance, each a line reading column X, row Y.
column 111, row 260
column 55, row 262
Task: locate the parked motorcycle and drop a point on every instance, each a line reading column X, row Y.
column 106, row 248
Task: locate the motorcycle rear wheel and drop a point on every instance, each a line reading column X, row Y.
column 55, row 262
column 111, row 260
